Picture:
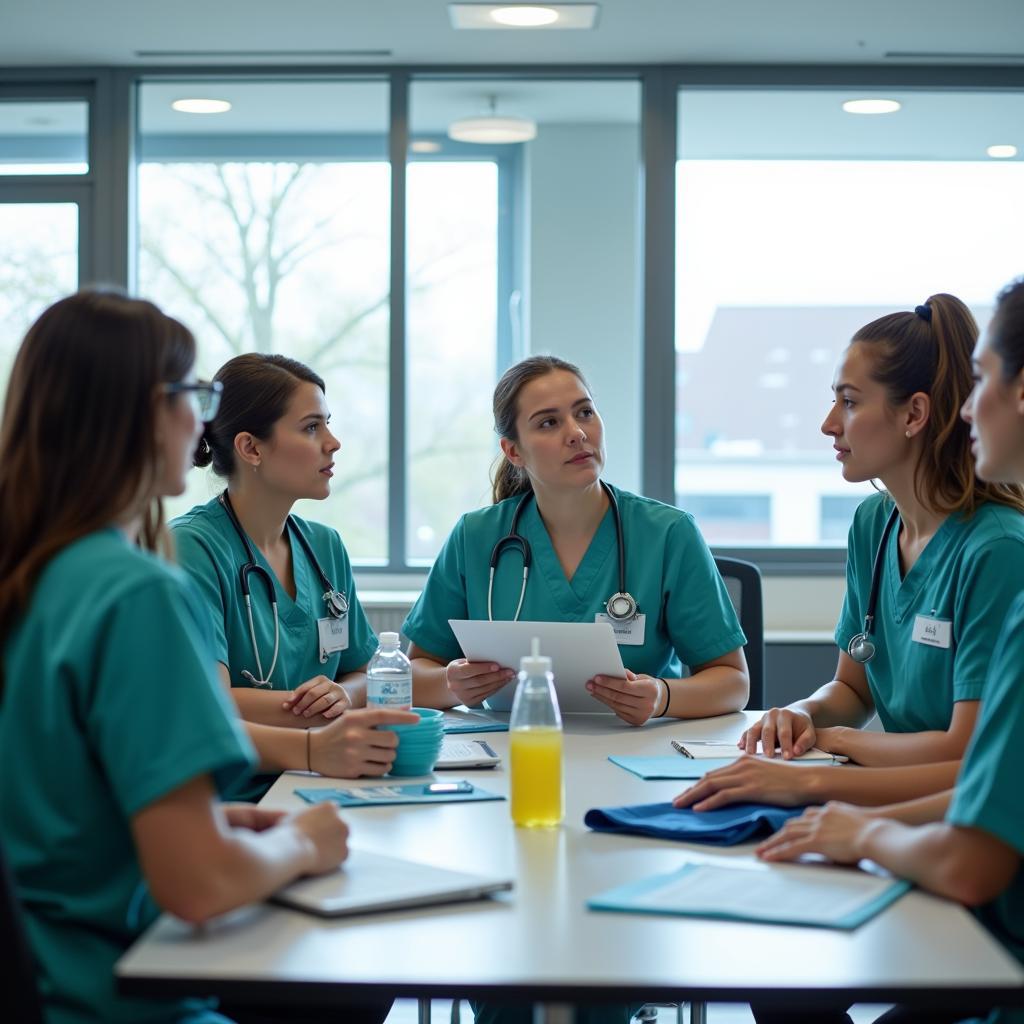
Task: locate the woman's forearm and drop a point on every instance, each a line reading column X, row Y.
column 280, row 749
column 716, row 690
column 923, row 811
column 430, row 684
column 835, row 703
column 874, row 787
column 354, row 684
column 266, row 707
column 886, row 749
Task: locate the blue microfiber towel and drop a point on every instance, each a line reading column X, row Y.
column 726, row 826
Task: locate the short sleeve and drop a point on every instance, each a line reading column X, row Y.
column 201, row 565
column 362, row 641
column 158, row 714
column 987, row 794
column 851, row 617
column 443, row 598
column 990, row 585
column 699, row 615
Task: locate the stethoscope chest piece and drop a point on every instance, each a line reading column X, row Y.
column 336, row 603
column 621, row 607
column 861, row 649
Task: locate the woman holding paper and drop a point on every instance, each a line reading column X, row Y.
column 975, row 855
column 290, row 636
column 550, row 503
column 942, row 549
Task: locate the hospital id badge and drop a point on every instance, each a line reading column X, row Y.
column 333, row 636
column 932, row 632
column 629, row 633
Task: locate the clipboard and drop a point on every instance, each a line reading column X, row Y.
column 578, row 652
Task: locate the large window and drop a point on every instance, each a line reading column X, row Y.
column 796, row 224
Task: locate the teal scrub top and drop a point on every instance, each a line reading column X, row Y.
column 210, row 550
column 969, row 574
column 669, row 570
column 109, row 703
column 987, row 795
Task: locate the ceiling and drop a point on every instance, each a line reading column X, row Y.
column 119, row 32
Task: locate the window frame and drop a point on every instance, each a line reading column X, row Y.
column 106, row 197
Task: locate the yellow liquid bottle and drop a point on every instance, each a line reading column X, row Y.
column 535, row 746
column 536, row 761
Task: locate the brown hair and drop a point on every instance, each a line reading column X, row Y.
column 78, row 439
column 1007, row 328
column 257, row 389
column 508, row 480
column 930, row 351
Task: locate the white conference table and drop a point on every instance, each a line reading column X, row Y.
column 539, row 943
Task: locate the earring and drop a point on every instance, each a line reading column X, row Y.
column 908, row 433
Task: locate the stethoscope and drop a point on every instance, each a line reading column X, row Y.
column 621, row 606
column 861, row 648
column 335, row 601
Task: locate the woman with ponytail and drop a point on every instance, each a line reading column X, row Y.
column 950, row 566
column 115, row 735
column 552, row 455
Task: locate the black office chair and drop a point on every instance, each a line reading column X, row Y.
column 17, row 966
column 743, row 581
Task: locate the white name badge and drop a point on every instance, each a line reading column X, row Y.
column 627, row 634
column 933, row 632
column 333, row 636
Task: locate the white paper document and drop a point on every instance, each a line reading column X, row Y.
column 727, row 748
column 459, row 753
column 578, row 652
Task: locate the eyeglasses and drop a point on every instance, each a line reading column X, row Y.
column 203, row 394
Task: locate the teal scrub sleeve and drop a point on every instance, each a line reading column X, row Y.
column 699, row 615
column 443, row 598
column 194, row 556
column 362, row 641
column 158, row 715
column 992, row 580
column 987, row 794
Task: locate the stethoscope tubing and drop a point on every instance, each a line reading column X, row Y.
column 861, row 648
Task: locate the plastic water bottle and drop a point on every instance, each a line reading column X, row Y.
column 389, row 675
column 535, row 746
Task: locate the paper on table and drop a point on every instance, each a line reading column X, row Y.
column 728, row 748
column 578, row 651
column 825, row 897
column 466, row 754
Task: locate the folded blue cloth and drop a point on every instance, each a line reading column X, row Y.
column 726, row 826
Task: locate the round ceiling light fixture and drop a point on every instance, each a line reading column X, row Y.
column 871, row 106
column 1002, row 152
column 201, row 106
column 524, row 16
column 492, row 129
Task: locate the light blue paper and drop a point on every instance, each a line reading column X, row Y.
column 635, row 898
column 389, row 795
column 673, row 767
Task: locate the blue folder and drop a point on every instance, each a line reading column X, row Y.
column 389, row 795
column 726, row 826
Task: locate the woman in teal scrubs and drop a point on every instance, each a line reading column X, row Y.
column 297, row 674
column 951, row 568
column 552, row 442
column 976, row 856
column 115, row 735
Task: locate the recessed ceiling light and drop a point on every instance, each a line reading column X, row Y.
column 871, row 106
column 201, row 106
column 1002, row 152
column 522, row 16
column 425, row 146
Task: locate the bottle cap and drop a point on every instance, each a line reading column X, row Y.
column 388, row 639
column 535, row 663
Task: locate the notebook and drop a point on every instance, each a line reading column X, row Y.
column 371, row 882
column 456, row 753
column 458, row 720
column 716, row 749
column 814, row 896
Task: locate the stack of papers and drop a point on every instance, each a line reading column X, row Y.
column 717, row 749
column 466, row 754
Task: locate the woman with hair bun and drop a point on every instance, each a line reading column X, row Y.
column 943, row 547
column 294, row 655
column 577, row 528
